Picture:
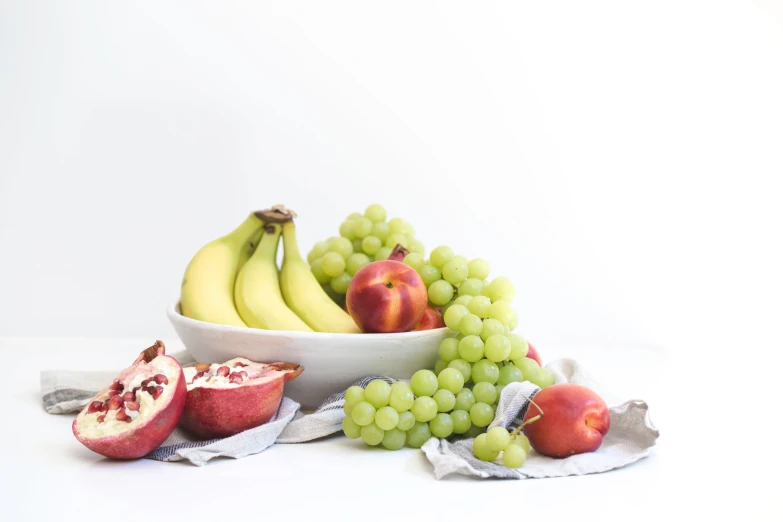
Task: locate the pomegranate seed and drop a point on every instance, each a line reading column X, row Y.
column 105, row 407
column 145, row 382
column 161, row 379
column 134, row 390
column 223, row 371
column 199, row 375
column 94, row 406
column 116, row 385
column 129, row 396
column 101, row 418
column 239, row 365
column 235, row 378
column 115, row 402
column 156, row 391
column 112, row 393
column 132, row 405
column 121, row 415
column 243, row 374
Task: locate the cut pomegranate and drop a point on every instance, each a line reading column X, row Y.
column 106, row 425
column 220, row 404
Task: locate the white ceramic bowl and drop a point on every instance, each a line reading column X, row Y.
column 332, row 362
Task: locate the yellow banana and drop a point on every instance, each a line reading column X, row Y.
column 207, row 292
column 257, row 290
column 304, row 294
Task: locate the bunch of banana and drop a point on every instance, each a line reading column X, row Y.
column 234, row 280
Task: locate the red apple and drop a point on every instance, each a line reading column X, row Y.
column 575, row 421
column 430, row 320
column 533, row 354
column 386, row 296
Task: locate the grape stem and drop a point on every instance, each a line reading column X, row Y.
column 530, row 420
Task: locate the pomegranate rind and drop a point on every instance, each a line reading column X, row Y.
column 222, row 410
column 142, row 438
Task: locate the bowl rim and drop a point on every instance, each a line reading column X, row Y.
column 174, row 315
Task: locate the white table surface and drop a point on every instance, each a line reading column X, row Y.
column 47, row 475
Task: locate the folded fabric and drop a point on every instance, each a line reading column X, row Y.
column 630, row 438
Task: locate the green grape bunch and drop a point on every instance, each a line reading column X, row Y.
column 363, row 238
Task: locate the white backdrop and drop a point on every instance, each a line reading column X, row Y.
column 611, row 157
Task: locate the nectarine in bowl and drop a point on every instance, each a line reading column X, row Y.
column 332, row 361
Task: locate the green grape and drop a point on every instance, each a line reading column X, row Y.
column 520, row 439
column 449, row 349
column 445, row 399
column 396, row 239
column 455, row 271
column 470, row 325
column 442, row 425
column 429, row 274
column 491, row 327
column 471, row 348
column 393, row 439
column 514, row 457
column 397, row 226
column 406, row 422
column 501, row 288
column 340, row 283
column 341, row 246
column 424, row 383
column 363, row 413
column 501, row 310
column 333, row 264
column 357, row 245
column 415, row 261
column 380, row 230
column 465, row 400
column 478, row 269
column 463, row 366
column 383, row 253
column 481, row 449
column 351, row 429
column 440, row 365
column 497, row 348
column 514, row 321
column 529, row 368
column 451, row 379
column 401, row 396
column 481, row 414
column 416, row 247
column 375, row 213
column 473, row 432
column 334, row 296
column 440, row 292
column 347, row 408
column 519, row 347
column 362, row 227
column 316, row 267
column 441, row 255
column 318, row 251
column 461, row 420
column 371, row 244
column 508, row 374
column 479, row 306
column 418, row 434
column 353, row 215
column 544, row 378
column 485, row 392
column 499, row 390
column 408, row 229
column 470, row 287
column 498, row 438
column 485, row 371
column 461, row 259
column 424, row 409
column 378, row 392
column 355, row 262
column 372, row 435
column 347, row 229
column 354, row 395
column 454, row 315
column 387, row 418
column 463, row 300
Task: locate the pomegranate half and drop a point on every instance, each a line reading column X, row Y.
column 226, row 399
column 136, row 412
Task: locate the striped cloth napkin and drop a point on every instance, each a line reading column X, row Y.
column 630, row 438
